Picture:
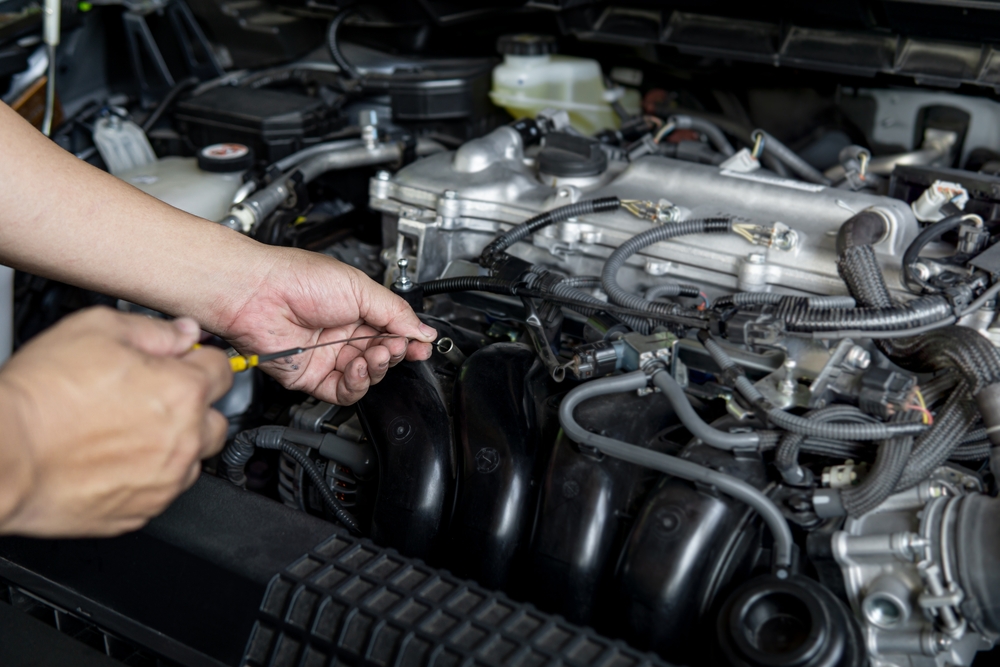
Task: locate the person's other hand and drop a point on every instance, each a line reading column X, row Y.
column 104, row 420
column 304, row 298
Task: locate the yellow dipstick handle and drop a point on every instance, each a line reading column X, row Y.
column 239, row 363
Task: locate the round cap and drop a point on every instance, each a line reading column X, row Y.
column 567, row 156
column 225, row 158
column 526, row 44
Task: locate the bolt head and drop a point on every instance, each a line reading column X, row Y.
column 402, row 263
column 756, row 258
column 859, row 357
column 921, row 270
column 383, row 175
column 450, row 194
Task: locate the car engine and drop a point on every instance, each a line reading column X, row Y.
column 717, row 379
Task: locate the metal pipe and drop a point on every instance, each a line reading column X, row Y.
column 248, row 214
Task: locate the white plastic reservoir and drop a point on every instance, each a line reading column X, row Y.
column 180, row 182
column 532, row 79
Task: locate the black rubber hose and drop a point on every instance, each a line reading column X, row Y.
column 525, row 229
column 862, row 229
column 790, row 159
column 333, row 44
column 926, row 236
column 168, row 100
column 715, row 135
column 609, row 276
column 881, row 480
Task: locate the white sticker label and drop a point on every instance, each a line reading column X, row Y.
column 774, row 180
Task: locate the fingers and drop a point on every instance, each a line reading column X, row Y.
column 377, row 358
column 418, row 351
column 213, row 365
column 352, row 383
column 213, row 434
column 382, row 308
column 154, row 336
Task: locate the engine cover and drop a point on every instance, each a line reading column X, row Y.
column 450, row 205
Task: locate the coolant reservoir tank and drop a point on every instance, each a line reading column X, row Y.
column 532, row 78
column 202, row 186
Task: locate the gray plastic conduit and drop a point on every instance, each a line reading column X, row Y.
column 671, row 465
column 790, row 159
column 742, row 383
column 709, row 129
column 802, row 425
column 695, row 424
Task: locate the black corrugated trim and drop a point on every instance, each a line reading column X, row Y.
column 349, row 601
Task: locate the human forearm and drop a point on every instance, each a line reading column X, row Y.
column 15, row 466
column 64, row 219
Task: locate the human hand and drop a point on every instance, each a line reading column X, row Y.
column 104, row 420
column 304, row 298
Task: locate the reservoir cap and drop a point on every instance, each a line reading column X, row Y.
column 566, row 155
column 225, row 158
column 526, row 44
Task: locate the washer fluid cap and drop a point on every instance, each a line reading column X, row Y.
column 566, row 156
column 225, row 158
column 526, row 44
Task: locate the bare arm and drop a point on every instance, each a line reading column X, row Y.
column 64, row 219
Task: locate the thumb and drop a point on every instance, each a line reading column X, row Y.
column 157, row 337
column 381, row 308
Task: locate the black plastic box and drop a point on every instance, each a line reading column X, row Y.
column 274, row 123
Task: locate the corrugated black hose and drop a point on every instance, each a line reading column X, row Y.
column 885, row 473
column 532, row 225
column 609, row 276
column 951, row 347
column 938, row 444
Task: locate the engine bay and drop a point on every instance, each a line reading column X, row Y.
column 717, row 379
